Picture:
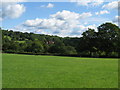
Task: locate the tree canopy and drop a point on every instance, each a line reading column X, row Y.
column 101, row 43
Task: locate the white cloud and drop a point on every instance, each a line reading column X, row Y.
column 85, row 15
column 85, row 23
column 71, row 17
column 88, row 2
column 102, row 12
column 60, row 18
column 50, row 5
column 11, row 10
column 61, row 23
column 92, row 26
column 82, row 28
column 111, row 5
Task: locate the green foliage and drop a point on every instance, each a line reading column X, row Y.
column 92, row 43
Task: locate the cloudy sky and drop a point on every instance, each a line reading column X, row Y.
column 69, row 18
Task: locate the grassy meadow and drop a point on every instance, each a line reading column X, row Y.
column 32, row 71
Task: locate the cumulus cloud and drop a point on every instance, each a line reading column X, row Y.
column 70, row 17
column 92, row 27
column 11, row 10
column 51, row 23
column 60, row 18
column 82, row 28
column 50, row 5
column 102, row 12
column 61, row 23
column 88, row 2
column 111, row 5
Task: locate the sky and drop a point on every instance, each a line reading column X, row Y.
column 63, row 19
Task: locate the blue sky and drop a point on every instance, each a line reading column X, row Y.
column 76, row 17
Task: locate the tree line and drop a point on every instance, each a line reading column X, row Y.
column 101, row 43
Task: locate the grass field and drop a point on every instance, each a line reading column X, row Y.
column 29, row 71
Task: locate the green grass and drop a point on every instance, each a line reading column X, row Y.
column 29, row 71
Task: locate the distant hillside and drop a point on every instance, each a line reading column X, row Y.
column 104, row 43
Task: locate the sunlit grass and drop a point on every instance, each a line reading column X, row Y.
column 30, row 71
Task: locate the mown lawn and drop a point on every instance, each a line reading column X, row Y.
column 30, row 71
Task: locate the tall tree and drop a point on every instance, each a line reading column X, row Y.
column 108, row 36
